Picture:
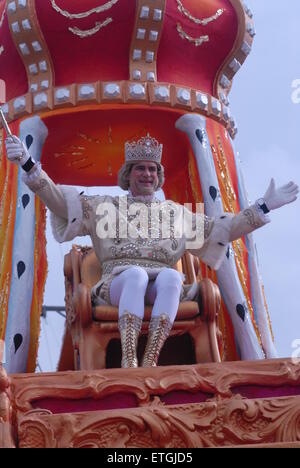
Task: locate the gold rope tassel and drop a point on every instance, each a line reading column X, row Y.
column 130, row 326
column 159, row 330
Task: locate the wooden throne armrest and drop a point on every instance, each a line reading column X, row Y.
column 81, row 293
column 83, row 305
column 209, row 300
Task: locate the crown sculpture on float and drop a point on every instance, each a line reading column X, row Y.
column 84, row 77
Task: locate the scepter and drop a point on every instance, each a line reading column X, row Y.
column 5, row 124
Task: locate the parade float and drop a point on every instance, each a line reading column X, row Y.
column 81, row 78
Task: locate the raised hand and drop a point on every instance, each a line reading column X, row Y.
column 276, row 197
column 16, row 150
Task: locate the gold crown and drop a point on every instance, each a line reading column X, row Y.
column 145, row 149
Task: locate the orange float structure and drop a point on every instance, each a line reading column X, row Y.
column 81, row 78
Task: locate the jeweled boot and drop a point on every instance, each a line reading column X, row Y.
column 159, row 330
column 130, row 326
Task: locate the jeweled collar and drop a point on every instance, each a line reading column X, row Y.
column 142, row 198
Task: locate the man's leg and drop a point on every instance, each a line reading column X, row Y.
column 127, row 291
column 164, row 293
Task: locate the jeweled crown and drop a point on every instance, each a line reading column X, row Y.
column 145, row 149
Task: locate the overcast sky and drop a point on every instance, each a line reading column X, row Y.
column 268, row 144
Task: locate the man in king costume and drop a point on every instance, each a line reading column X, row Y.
column 138, row 267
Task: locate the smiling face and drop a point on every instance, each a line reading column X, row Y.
column 143, row 178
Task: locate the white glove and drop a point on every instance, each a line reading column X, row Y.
column 276, row 197
column 16, row 151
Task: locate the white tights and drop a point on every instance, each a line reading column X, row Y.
column 132, row 287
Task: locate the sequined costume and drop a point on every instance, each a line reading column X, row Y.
column 74, row 214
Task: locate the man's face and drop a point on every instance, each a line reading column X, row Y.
column 143, row 178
